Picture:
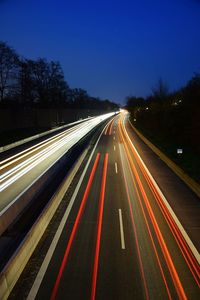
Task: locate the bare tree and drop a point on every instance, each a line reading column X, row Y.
column 25, row 91
column 58, row 87
column 8, row 69
column 44, row 82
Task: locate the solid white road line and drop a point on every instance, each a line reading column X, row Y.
column 36, row 285
column 116, row 169
column 121, row 229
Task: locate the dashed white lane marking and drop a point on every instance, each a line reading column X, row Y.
column 116, row 169
column 121, row 229
column 114, row 148
column 36, row 285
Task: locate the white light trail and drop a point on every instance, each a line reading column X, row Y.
column 64, row 141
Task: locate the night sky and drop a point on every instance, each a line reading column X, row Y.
column 110, row 48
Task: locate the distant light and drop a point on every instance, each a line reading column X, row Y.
column 134, row 120
column 123, row 111
column 147, row 108
column 177, row 102
column 179, row 151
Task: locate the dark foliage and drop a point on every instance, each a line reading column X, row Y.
column 40, row 84
column 172, row 120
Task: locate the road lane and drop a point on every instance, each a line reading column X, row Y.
column 119, row 271
column 78, row 270
column 182, row 200
column 99, row 227
column 171, row 251
column 75, row 228
column 126, row 244
column 20, row 171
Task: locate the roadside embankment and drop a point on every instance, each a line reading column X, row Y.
column 191, row 183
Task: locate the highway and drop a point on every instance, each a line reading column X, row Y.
column 119, row 237
column 19, row 171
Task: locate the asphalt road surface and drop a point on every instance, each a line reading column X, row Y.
column 120, row 237
column 19, row 171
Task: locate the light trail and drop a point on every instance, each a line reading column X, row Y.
column 111, row 127
column 100, row 220
column 164, row 200
column 186, row 251
column 32, row 162
column 136, row 238
column 148, row 228
column 168, row 259
column 185, row 245
column 78, row 126
column 44, row 150
column 30, row 150
column 37, row 155
column 40, row 275
column 106, row 129
column 75, row 228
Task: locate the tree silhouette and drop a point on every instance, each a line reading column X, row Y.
column 26, row 87
column 39, row 83
column 160, row 91
column 192, row 90
column 8, row 69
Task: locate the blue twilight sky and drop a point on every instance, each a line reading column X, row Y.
column 110, row 48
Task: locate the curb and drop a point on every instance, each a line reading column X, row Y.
column 191, row 183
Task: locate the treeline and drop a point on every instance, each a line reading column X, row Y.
column 172, row 120
column 40, row 84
